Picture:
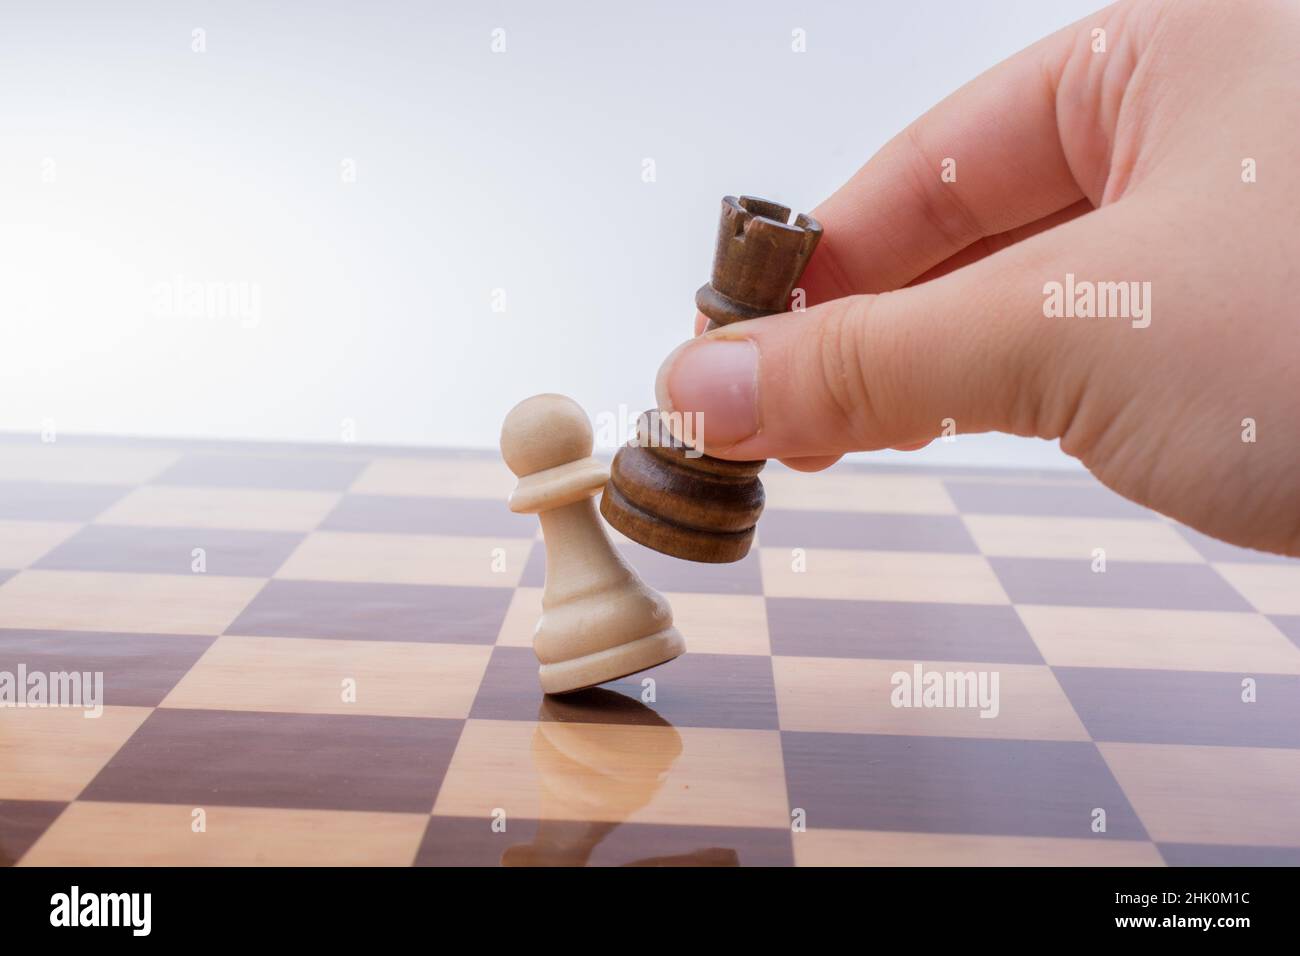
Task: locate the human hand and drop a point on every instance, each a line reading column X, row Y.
column 1165, row 163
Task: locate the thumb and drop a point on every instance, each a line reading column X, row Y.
column 878, row 371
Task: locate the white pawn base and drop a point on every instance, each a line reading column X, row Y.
column 564, row 677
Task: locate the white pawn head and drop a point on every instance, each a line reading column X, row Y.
column 543, row 432
column 546, row 440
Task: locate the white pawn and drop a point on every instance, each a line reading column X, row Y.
column 599, row 620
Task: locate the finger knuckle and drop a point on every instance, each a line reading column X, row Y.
column 841, row 350
column 941, row 205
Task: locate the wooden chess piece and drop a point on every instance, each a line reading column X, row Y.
column 758, row 261
column 666, row 494
column 599, row 621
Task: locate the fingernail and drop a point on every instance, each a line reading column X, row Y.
column 717, row 379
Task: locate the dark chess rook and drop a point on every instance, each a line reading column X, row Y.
column 670, row 498
column 661, row 492
column 758, row 261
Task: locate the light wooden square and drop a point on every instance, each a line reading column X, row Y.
column 24, row 542
column 882, row 576
column 441, row 478
column 721, row 623
column 1122, row 539
column 521, row 618
column 641, row 774
column 306, row 676
column 150, row 834
column 408, row 559
column 138, row 603
column 52, row 753
column 65, row 463
column 1159, row 639
column 1218, row 795
column 886, row 848
column 250, row 509
column 839, row 490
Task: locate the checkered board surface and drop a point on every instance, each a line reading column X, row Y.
column 405, row 577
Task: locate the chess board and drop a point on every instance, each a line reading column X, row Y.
column 321, row 655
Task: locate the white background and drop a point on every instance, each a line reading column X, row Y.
column 474, row 171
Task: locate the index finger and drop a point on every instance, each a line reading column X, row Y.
column 986, row 160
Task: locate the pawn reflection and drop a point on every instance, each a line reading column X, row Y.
column 592, row 780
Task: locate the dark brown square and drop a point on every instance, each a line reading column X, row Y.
column 954, row 785
column 391, row 514
column 1288, row 624
column 510, row 691
column 1092, row 500
column 319, row 762
column 1137, row 584
column 55, row 501
column 248, row 471
column 21, row 824
column 375, row 612
column 139, row 669
column 1212, row 549
column 899, row 630
column 1204, row 854
column 1183, row 707
column 464, row 841
column 695, row 690
column 171, row 550
column 709, row 690
column 870, row 532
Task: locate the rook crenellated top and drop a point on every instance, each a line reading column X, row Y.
column 759, row 258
